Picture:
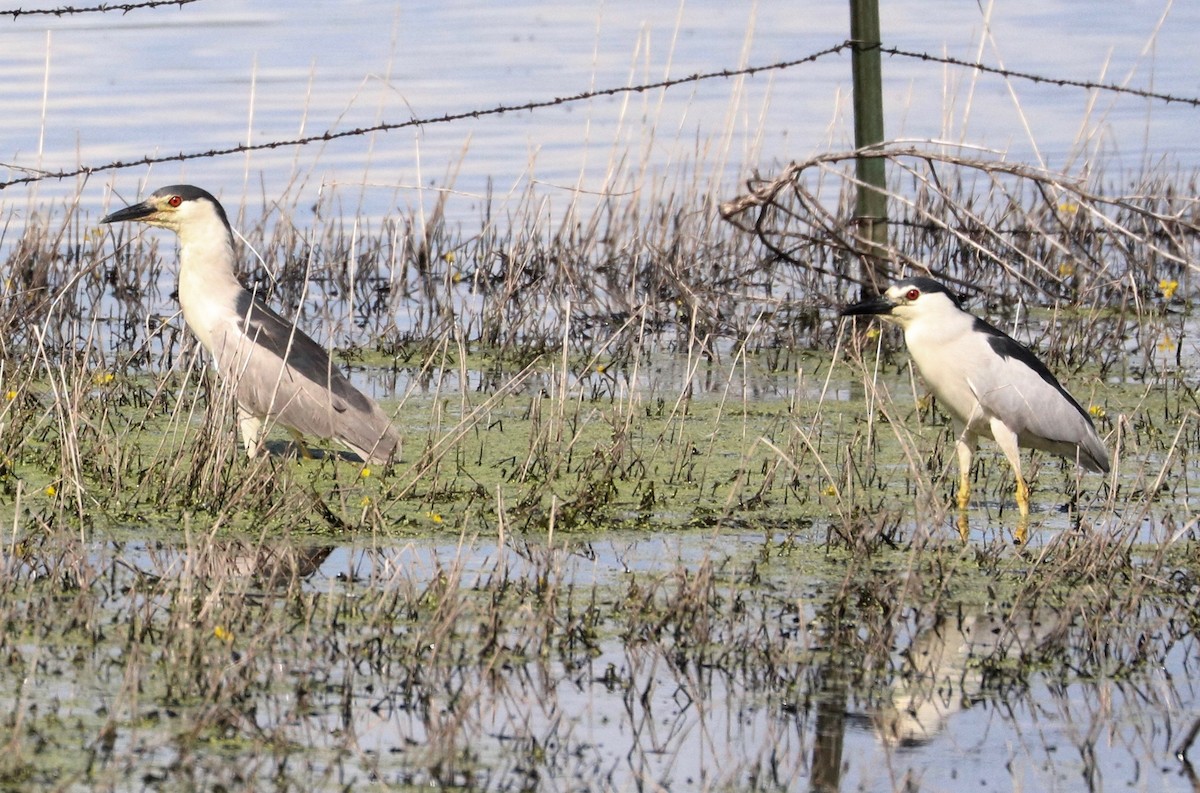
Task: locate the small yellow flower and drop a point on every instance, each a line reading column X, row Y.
column 1068, row 207
column 223, row 634
column 830, row 491
column 872, row 333
column 601, row 368
column 11, row 395
column 1166, row 344
column 51, row 491
column 457, row 278
column 1167, row 288
column 1066, row 269
column 434, row 516
column 448, row 257
column 102, row 378
column 364, row 473
column 1097, row 411
column 365, row 502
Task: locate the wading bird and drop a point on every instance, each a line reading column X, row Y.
column 277, row 373
column 991, row 385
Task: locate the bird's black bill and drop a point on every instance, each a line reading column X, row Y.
column 877, row 305
column 135, row 212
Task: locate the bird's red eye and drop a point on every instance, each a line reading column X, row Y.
column 912, row 294
column 175, row 200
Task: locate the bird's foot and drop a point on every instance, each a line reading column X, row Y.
column 301, row 447
column 1021, row 535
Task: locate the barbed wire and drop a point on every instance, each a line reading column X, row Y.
column 1039, row 78
column 417, row 122
column 102, row 8
column 446, row 118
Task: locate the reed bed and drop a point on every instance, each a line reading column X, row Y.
column 643, row 375
column 570, row 368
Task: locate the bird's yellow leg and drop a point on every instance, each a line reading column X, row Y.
column 1022, row 532
column 1022, row 496
column 963, row 525
column 964, row 447
column 1006, row 439
column 964, row 488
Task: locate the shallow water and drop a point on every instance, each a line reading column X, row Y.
column 731, row 658
column 764, row 707
column 634, row 711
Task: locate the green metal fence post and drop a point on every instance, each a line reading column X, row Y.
column 871, row 206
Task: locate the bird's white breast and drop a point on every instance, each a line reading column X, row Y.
column 208, row 285
column 947, row 352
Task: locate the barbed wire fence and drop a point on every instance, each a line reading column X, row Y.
column 446, row 118
column 103, row 8
column 1049, row 233
column 538, row 104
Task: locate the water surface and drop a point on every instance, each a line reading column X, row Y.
column 91, row 89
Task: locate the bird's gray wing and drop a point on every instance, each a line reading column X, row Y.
column 1030, row 400
column 282, row 374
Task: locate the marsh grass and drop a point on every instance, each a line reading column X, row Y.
column 582, row 385
column 571, row 332
column 648, row 480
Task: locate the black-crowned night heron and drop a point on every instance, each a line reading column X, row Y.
column 279, row 375
column 989, row 383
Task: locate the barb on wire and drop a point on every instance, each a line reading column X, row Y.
column 538, row 104
column 417, row 122
column 1039, row 78
column 63, row 11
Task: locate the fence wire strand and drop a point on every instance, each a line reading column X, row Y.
column 531, row 105
column 446, row 118
column 1062, row 82
column 103, row 8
